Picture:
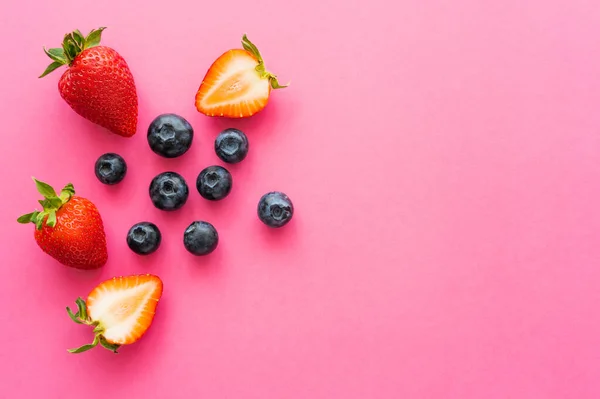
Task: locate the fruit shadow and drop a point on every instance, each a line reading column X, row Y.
column 150, row 263
column 119, row 189
column 75, row 277
column 264, row 118
column 282, row 239
column 99, row 137
column 207, row 267
column 211, row 208
column 173, row 164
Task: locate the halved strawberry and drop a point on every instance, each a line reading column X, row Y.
column 237, row 84
column 120, row 310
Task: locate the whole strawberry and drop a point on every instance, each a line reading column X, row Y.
column 98, row 84
column 69, row 228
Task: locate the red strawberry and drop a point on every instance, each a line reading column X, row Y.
column 237, row 85
column 98, row 84
column 121, row 310
column 69, row 228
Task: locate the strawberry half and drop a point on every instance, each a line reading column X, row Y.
column 120, row 310
column 237, row 85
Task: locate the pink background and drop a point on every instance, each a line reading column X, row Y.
column 444, row 161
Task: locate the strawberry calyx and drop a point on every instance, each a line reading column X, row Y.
column 261, row 68
column 73, row 44
column 82, row 317
column 50, row 205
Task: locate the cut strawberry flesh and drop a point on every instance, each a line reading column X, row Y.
column 233, row 87
column 125, row 306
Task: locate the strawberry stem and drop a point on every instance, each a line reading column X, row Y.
column 50, row 204
column 82, row 317
column 73, row 44
column 261, row 68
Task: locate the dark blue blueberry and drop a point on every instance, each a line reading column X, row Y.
column 144, row 238
column 200, row 238
column 110, row 168
column 275, row 209
column 169, row 191
column 170, row 135
column 214, row 183
column 231, row 146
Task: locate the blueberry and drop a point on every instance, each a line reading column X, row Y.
column 231, row 146
column 169, row 191
column 110, row 168
column 144, row 238
column 200, row 238
column 275, row 209
column 170, row 135
column 214, row 183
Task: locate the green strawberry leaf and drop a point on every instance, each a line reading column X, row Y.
column 87, row 347
column 251, row 48
column 57, row 54
column 55, row 202
column 82, row 308
column 78, row 39
column 93, row 39
column 51, row 68
column 70, row 48
column 68, row 188
column 82, row 348
column 51, row 203
column 45, row 189
column 108, row 345
column 28, row 218
column 275, row 83
column 51, row 219
column 74, row 317
column 67, row 192
column 78, row 35
column 40, row 220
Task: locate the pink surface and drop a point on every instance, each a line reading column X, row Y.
column 444, row 161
